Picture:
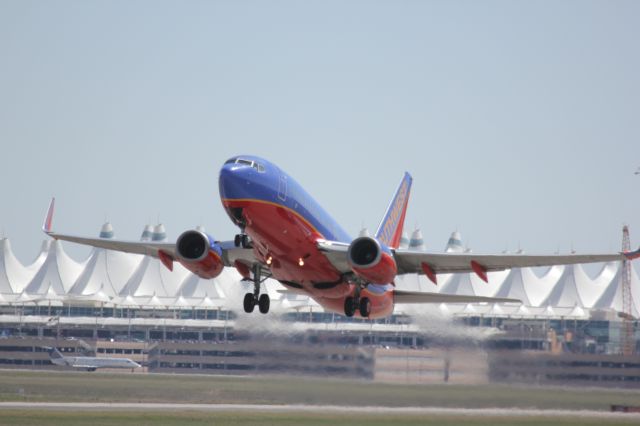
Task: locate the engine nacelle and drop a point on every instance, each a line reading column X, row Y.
column 372, row 261
column 199, row 253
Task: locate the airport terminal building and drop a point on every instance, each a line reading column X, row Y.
column 131, row 305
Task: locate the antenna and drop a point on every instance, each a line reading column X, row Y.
column 627, row 298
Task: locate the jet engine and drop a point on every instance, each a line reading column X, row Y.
column 372, row 261
column 199, row 253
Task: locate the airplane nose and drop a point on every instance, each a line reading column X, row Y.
column 226, row 172
column 226, row 175
column 230, row 179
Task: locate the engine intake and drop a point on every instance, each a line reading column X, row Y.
column 200, row 254
column 192, row 245
column 372, row 261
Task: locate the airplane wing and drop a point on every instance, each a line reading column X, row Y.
column 411, row 261
column 80, row 365
column 138, row 247
column 405, row 297
column 230, row 253
column 431, row 264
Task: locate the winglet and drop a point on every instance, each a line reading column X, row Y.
column 631, row 255
column 46, row 226
column 54, row 353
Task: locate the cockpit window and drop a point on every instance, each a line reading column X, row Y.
column 259, row 167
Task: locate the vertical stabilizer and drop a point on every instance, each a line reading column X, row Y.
column 390, row 230
column 58, row 359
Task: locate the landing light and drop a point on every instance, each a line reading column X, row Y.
column 301, row 262
column 269, row 260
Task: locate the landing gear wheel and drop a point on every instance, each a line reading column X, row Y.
column 263, row 303
column 242, row 240
column 365, row 307
column 349, row 306
column 245, row 241
column 249, row 302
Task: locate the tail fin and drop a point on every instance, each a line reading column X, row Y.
column 390, row 229
column 54, row 353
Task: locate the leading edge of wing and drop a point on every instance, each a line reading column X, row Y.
column 406, row 297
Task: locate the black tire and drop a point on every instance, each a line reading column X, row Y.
column 237, row 240
column 249, row 302
column 349, row 306
column 263, row 303
column 365, row 307
column 246, row 241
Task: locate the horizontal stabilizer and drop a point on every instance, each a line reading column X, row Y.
column 404, row 297
column 632, row 255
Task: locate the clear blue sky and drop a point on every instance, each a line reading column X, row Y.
column 518, row 120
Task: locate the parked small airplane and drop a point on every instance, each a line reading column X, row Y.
column 89, row 363
column 286, row 235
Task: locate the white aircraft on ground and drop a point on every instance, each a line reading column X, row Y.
column 90, row 363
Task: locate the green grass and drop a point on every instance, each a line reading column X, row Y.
column 98, row 387
column 53, row 418
column 91, row 387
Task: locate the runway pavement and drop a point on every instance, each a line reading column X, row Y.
column 471, row 412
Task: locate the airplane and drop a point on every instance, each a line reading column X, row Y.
column 89, row 363
column 286, row 235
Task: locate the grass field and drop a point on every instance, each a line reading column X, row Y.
column 90, row 387
column 29, row 386
column 54, row 418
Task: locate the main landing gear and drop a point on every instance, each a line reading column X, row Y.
column 242, row 240
column 363, row 305
column 252, row 299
